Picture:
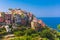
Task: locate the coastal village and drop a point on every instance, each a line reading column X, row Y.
column 17, row 17
column 17, row 24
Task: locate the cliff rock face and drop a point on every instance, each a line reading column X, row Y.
column 23, row 18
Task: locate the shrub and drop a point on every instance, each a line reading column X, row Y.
column 29, row 32
column 19, row 33
column 58, row 26
column 34, row 35
column 47, row 34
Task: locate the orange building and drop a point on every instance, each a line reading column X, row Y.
column 41, row 22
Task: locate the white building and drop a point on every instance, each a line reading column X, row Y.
column 7, row 28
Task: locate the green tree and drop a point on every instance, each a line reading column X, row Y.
column 19, row 33
column 58, row 26
column 30, row 32
column 47, row 34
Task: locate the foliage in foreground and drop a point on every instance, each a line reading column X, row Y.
column 30, row 34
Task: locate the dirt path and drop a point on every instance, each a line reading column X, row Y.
column 8, row 37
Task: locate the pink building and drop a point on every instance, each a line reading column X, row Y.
column 1, row 19
column 30, row 16
column 7, row 21
column 41, row 22
column 8, row 18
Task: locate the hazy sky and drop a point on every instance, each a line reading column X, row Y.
column 40, row 8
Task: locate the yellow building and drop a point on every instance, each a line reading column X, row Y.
column 0, row 14
column 34, row 23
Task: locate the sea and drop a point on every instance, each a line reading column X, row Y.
column 51, row 22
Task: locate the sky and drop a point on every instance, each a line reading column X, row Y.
column 40, row 8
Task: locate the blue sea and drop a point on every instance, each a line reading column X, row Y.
column 51, row 21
